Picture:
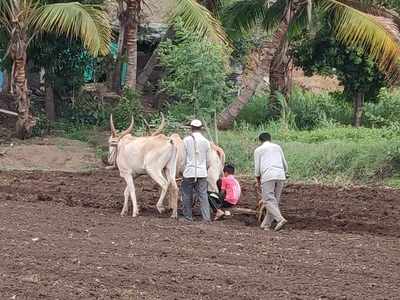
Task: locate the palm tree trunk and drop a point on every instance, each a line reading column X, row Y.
column 133, row 9
column 25, row 121
column 116, row 77
column 49, row 103
column 358, row 104
column 279, row 80
column 152, row 62
column 258, row 65
column 279, row 72
column 276, row 48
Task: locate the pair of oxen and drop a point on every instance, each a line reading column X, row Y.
column 159, row 156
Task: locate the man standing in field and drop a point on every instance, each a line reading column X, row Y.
column 270, row 171
column 197, row 150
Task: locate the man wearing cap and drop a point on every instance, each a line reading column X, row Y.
column 197, row 150
column 270, row 170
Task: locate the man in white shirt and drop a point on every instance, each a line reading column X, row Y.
column 197, row 150
column 270, row 171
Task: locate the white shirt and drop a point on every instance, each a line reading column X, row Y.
column 270, row 163
column 197, row 155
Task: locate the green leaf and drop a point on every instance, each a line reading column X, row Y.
column 87, row 22
column 358, row 29
column 197, row 19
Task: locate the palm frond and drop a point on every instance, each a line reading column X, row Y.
column 196, row 18
column 242, row 15
column 213, row 6
column 309, row 10
column 302, row 20
column 274, row 14
column 5, row 15
column 298, row 23
column 358, row 29
column 87, row 22
column 370, row 7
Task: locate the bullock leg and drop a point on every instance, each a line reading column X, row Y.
column 173, row 203
column 131, row 189
column 163, row 183
column 126, row 199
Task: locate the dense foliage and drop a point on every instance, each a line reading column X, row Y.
column 196, row 78
column 306, row 110
column 325, row 55
column 64, row 61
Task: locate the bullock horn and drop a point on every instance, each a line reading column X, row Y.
column 162, row 126
column 125, row 132
column 113, row 131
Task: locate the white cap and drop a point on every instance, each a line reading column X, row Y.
column 196, row 123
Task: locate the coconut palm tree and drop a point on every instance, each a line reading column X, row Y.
column 195, row 17
column 132, row 12
column 358, row 23
column 24, row 20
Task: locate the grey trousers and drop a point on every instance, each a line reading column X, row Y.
column 188, row 186
column 271, row 195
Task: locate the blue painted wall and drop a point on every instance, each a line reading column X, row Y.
column 1, row 80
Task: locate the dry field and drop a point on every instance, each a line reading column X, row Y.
column 61, row 237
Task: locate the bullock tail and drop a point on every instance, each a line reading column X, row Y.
column 171, row 164
column 170, row 170
column 221, row 154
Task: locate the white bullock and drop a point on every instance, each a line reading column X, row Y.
column 152, row 155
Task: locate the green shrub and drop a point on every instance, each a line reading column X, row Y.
column 86, row 110
column 336, row 154
column 314, row 110
column 196, row 78
column 129, row 105
column 385, row 112
column 255, row 112
column 42, row 126
column 87, row 113
column 302, row 110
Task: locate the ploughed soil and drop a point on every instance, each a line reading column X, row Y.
column 61, row 237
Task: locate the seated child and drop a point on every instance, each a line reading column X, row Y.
column 229, row 193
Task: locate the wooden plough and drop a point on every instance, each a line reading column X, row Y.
column 259, row 212
column 8, row 112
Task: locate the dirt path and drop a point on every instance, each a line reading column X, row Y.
column 61, row 237
column 51, row 153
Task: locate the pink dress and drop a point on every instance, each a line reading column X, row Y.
column 232, row 189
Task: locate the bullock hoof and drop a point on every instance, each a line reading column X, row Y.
column 174, row 214
column 134, row 215
column 161, row 209
column 123, row 213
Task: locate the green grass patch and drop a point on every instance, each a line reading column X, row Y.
column 328, row 155
column 341, row 155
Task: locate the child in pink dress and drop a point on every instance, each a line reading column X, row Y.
column 229, row 193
